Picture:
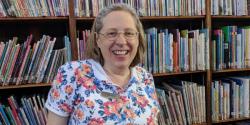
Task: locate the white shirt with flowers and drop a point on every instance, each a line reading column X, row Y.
column 83, row 92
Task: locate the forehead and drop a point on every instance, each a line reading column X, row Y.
column 119, row 20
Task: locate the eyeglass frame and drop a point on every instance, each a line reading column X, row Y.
column 105, row 35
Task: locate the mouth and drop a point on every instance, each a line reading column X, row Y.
column 120, row 52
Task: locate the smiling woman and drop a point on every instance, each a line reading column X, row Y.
column 118, row 53
column 108, row 87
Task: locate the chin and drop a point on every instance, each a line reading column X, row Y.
column 121, row 65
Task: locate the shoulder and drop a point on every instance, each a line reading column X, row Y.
column 76, row 65
column 73, row 72
column 141, row 72
column 142, row 75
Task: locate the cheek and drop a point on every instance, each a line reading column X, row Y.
column 135, row 45
column 104, row 46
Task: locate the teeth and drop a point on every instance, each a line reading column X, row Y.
column 120, row 52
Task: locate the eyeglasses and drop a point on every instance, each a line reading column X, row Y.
column 113, row 35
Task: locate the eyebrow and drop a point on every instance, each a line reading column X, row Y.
column 126, row 29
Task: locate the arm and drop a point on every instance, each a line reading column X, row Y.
column 59, row 101
column 54, row 119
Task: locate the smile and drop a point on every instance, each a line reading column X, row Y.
column 120, row 52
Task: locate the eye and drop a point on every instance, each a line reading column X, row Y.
column 130, row 34
column 111, row 34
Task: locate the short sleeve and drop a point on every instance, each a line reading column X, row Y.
column 61, row 95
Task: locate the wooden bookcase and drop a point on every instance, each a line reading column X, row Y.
column 59, row 26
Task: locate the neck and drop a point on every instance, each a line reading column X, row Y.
column 117, row 71
column 119, row 76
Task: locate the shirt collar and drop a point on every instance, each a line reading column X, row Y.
column 103, row 82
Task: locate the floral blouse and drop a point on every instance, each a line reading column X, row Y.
column 83, row 92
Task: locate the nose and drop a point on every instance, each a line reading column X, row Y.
column 121, row 39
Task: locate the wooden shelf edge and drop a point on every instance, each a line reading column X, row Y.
column 177, row 73
column 30, row 85
column 148, row 18
column 32, row 18
column 231, row 17
column 231, row 120
column 171, row 17
column 230, row 70
column 84, row 18
column 199, row 124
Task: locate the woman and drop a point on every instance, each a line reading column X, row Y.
column 108, row 87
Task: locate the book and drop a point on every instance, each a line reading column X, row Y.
column 3, row 115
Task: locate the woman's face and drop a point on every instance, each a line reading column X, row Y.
column 118, row 39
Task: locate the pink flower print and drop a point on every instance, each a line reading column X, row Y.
column 142, row 101
column 79, row 75
column 129, row 113
column 55, row 94
column 154, row 96
column 88, row 83
column 78, row 101
column 86, row 68
column 154, row 111
column 77, row 72
column 83, row 80
column 81, row 72
column 58, row 79
column 68, row 89
column 110, row 107
column 120, row 102
column 147, row 81
column 79, row 114
column 124, row 99
column 96, row 121
column 65, row 107
column 150, row 121
column 89, row 103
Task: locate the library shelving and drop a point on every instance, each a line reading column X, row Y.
column 72, row 26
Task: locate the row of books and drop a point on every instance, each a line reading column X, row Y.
column 168, row 50
column 33, row 8
column 181, row 103
column 58, row 58
column 230, row 7
column 31, row 111
column 230, row 47
column 82, row 37
column 230, row 98
column 28, row 63
column 82, row 8
column 176, row 50
column 144, row 7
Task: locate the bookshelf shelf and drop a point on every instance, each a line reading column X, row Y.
column 200, row 124
column 177, row 73
column 2, row 19
column 162, row 18
column 84, row 18
column 231, row 70
column 26, row 86
column 231, row 120
column 152, row 18
column 230, row 17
